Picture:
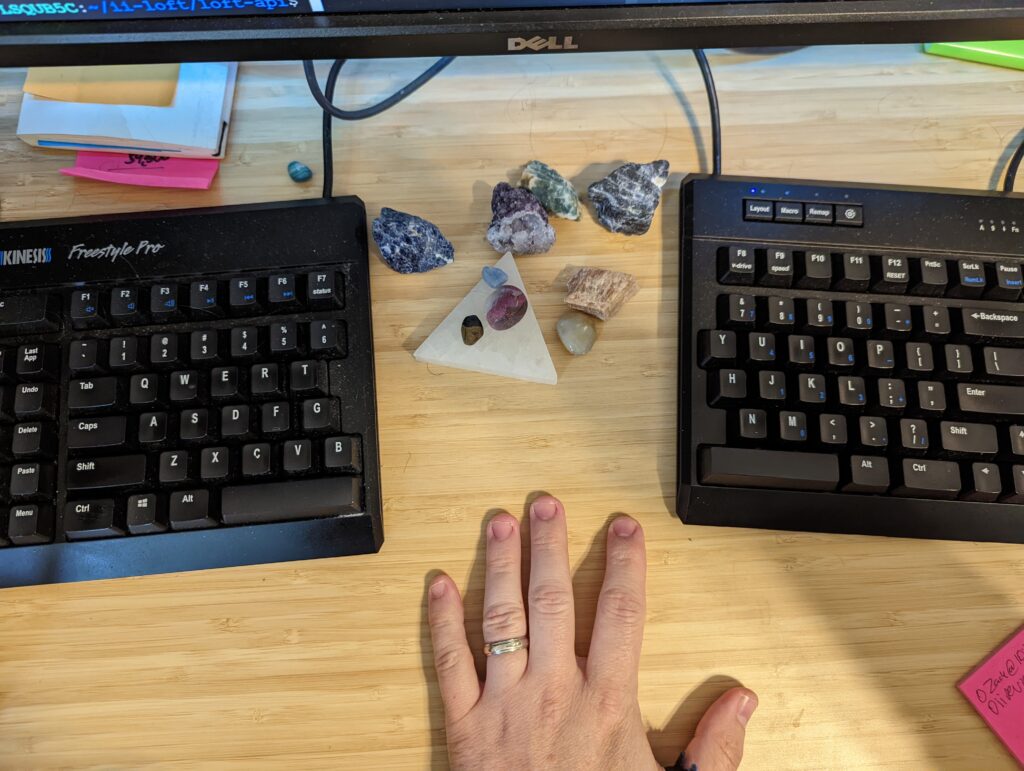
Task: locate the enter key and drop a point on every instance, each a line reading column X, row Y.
column 991, row 399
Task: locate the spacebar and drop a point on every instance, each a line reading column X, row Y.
column 284, row 501
column 735, row 467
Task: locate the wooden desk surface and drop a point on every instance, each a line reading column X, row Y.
column 854, row 644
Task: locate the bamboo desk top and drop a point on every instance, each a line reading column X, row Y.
column 854, row 644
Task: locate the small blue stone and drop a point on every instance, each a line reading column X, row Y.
column 494, row 277
column 299, row 172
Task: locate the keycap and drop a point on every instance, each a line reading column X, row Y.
column 936, row 320
column 840, row 352
column 124, row 305
column 264, row 380
column 244, row 342
column 31, row 440
column 163, row 302
column 321, row 415
column 859, row 317
column 914, row 434
column 191, row 510
column 772, row 385
column 832, row 429
column 85, row 311
column 324, row 289
column 224, row 382
column 987, row 485
column 35, row 400
column 779, row 267
column 1004, row 362
column 761, row 346
column 868, row 474
column 203, row 299
column 991, row 399
column 31, row 480
column 96, row 432
column 817, row 273
column 818, row 213
column 145, row 513
column 325, row 337
column 874, row 432
column 297, row 456
column 29, row 314
column 1017, row 496
column 174, row 467
column 30, row 523
column 753, row 424
column 789, row 211
column 92, row 393
column 124, row 353
column 244, row 296
column 256, row 460
column 929, row 479
column 738, row 467
column 850, row 215
column 203, row 346
column 1017, row 440
column 742, row 310
column 793, row 426
column 920, row 357
column 812, row 389
column 801, row 350
column 931, row 276
column 214, row 463
column 959, row 359
column 38, row 361
column 90, row 519
column 852, row 392
column 163, row 350
column 275, row 417
column 1004, row 324
column 931, row 396
column 730, row 384
column 84, row 356
column 308, row 376
column 343, row 453
column 234, row 421
column 897, row 318
column 114, row 471
column 895, row 275
column 736, row 266
column 781, row 312
column 820, row 315
column 184, row 386
column 970, row 279
column 881, row 354
column 1009, row 282
column 296, row 499
column 970, row 438
column 856, row 273
column 892, row 393
column 143, row 389
column 281, row 292
column 716, row 344
column 284, row 337
column 152, row 427
column 194, row 425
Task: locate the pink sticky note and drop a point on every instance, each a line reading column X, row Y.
column 145, row 170
column 996, row 690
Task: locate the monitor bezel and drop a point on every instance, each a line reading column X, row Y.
column 466, row 33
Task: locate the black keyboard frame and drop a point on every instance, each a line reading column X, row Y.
column 915, row 221
column 255, row 239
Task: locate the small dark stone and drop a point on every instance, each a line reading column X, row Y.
column 299, row 172
column 472, row 330
column 410, row 244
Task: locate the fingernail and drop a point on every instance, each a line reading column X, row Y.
column 544, row 508
column 500, row 529
column 624, row 527
column 437, row 588
column 746, row 709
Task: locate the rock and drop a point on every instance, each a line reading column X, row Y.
column 625, row 200
column 577, row 331
column 506, row 307
column 472, row 330
column 410, row 244
column 299, row 172
column 494, row 277
column 554, row 191
column 519, row 223
column 599, row 292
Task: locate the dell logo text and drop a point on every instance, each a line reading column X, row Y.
column 538, row 43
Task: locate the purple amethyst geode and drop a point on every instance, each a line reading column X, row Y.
column 519, row 222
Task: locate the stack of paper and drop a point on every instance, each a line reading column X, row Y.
column 179, row 111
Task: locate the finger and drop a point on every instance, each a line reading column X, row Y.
column 456, row 675
column 552, row 619
column 614, row 658
column 718, row 743
column 504, row 614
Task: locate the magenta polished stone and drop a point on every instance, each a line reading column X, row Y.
column 506, row 307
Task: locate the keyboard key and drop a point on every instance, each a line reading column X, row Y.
column 761, row 346
column 781, row 312
column 1017, row 496
column 31, row 480
column 296, row 499
column 987, row 485
column 143, row 390
column 793, row 426
column 308, row 376
column 184, row 386
column 163, row 350
column 321, row 415
column 116, row 471
column 29, row 314
column 152, row 427
column 874, row 432
column 90, row 519
column 892, row 393
column 859, row 317
column 772, row 385
column 813, row 389
column 895, row 272
column 856, row 273
column 92, row 393
column 284, row 337
column 84, row 356
column 326, row 337
column 30, row 524
column 95, row 433
column 959, row 360
column 819, row 213
column 820, row 315
column 717, row 344
column 881, row 354
column 124, row 305
column 275, row 418
column 214, row 463
column 297, row 456
column 145, row 514
column 789, row 211
column 736, row 467
column 224, row 383
column 779, row 267
column 736, row 266
column 38, row 362
column 849, row 215
column 234, row 421
column 343, row 453
column 32, row 440
column 919, row 357
column 256, row 460
column 970, row 438
column 852, row 392
column 929, row 479
column 124, row 353
column 281, row 292
column 1004, row 362
column 914, row 434
column 85, row 311
column 1017, row 440
column 173, row 467
column 991, row 399
column 264, row 380
column 840, row 352
column 324, row 289
column 203, row 301
column 868, row 474
column 753, row 424
column 817, row 273
column 203, row 347
column 1009, row 282
column 931, row 396
column 194, row 425
column 832, row 429
column 244, row 342
column 742, row 310
column 801, row 350
column 191, row 510
column 244, row 296
column 936, row 320
column 931, row 277
column 897, row 318
column 37, row 400
column 970, row 279
column 163, row 302
column 1002, row 324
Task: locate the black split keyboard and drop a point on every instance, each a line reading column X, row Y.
column 852, row 359
column 186, row 390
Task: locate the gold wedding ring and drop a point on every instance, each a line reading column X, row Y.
column 511, row 645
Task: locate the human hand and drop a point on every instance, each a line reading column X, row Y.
column 545, row 708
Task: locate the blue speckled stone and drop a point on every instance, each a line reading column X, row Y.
column 494, row 277
column 410, row 244
column 299, row 172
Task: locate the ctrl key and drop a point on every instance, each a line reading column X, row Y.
column 29, row 524
column 90, row 519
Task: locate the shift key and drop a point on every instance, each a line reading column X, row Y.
column 117, row 471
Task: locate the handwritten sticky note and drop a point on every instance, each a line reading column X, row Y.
column 996, row 690
column 145, row 170
column 148, row 84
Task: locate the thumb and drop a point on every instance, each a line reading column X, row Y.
column 718, row 742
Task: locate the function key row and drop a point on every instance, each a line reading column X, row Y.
column 205, row 298
column 821, row 269
column 804, row 212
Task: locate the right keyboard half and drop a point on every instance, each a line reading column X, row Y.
column 852, row 359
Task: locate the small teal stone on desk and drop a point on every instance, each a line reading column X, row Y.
column 299, row 172
column 494, row 277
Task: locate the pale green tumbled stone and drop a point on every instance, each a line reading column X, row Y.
column 577, row 331
column 553, row 190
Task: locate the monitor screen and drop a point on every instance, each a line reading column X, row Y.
column 45, row 32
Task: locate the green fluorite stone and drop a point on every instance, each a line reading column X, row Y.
column 553, row 190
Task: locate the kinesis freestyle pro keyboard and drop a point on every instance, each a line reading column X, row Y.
column 186, row 390
column 852, row 359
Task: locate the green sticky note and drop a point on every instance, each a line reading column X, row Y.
column 1001, row 53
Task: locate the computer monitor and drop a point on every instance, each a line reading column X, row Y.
column 50, row 32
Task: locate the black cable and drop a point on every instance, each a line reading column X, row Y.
column 716, row 120
column 325, row 100
column 1012, row 167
